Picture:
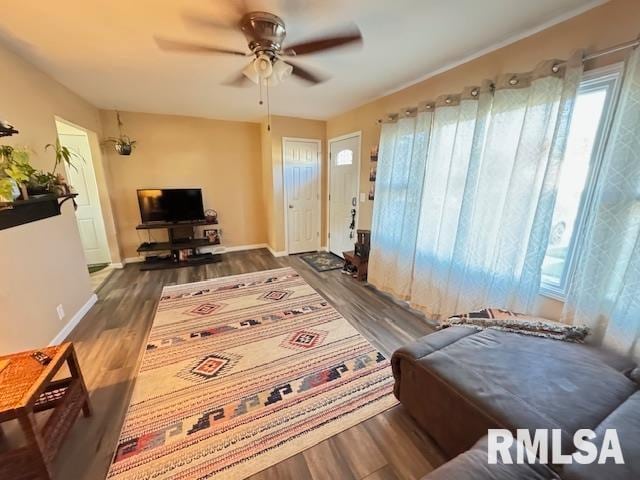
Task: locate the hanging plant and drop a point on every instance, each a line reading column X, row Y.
column 122, row 143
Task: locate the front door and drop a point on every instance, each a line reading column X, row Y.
column 344, row 158
column 88, row 213
column 302, row 179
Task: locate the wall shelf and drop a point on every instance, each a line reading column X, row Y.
column 32, row 210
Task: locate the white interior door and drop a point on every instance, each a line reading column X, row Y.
column 88, row 214
column 344, row 159
column 302, row 181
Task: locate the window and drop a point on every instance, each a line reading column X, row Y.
column 344, row 157
column 587, row 134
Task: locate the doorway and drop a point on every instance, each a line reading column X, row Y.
column 301, row 164
column 344, row 181
column 89, row 212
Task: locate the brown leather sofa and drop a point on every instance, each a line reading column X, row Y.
column 459, row 382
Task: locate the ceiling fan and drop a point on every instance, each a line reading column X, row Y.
column 265, row 34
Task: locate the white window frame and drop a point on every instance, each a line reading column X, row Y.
column 593, row 79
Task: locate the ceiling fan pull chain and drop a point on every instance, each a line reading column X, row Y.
column 260, row 89
column 268, row 108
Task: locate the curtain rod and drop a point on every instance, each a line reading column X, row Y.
column 614, row 49
column 600, row 53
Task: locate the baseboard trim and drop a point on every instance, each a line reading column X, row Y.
column 75, row 320
column 219, row 249
column 117, row 265
column 239, row 248
column 133, row 260
column 276, row 254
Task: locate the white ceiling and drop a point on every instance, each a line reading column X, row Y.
column 105, row 52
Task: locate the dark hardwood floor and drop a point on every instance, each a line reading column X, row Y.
column 109, row 343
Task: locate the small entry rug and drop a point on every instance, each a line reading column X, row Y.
column 242, row 372
column 323, row 261
column 97, row 267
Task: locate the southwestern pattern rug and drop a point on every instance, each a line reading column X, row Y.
column 243, row 372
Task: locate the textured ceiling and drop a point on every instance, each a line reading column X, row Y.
column 105, row 52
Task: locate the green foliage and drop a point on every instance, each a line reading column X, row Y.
column 14, row 163
column 63, row 155
column 6, row 190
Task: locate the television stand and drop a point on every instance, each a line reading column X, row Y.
column 175, row 244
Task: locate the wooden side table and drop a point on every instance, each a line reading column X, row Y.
column 361, row 265
column 28, row 387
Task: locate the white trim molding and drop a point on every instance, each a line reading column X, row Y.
column 283, row 253
column 357, row 134
column 75, row 320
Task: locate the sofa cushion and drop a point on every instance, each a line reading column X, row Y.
column 458, row 382
column 474, row 465
column 626, row 420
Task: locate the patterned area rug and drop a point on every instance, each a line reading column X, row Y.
column 243, row 372
column 323, row 261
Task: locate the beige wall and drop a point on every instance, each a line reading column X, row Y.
column 272, row 161
column 601, row 27
column 221, row 157
column 42, row 263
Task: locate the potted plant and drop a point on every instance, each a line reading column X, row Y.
column 122, row 143
column 47, row 182
column 16, row 171
column 55, row 182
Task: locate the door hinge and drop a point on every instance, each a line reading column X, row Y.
column 329, row 197
column 329, row 235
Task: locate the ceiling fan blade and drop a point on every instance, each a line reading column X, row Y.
column 352, row 36
column 305, row 74
column 239, row 80
column 204, row 21
column 180, row 46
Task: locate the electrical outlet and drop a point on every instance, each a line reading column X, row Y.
column 60, row 311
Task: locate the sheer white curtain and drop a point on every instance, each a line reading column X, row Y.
column 487, row 195
column 399, row 180
column 605, row 291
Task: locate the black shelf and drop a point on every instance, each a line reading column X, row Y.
column 179, row 245
column 31, row 210
column 178, row 240
column 163, row 264
column 194, row 223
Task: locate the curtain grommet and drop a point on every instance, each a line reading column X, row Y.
column 513, row 81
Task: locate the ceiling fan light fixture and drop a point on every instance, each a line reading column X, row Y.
column 281, row 70
column 263, row 66
column 251, row 73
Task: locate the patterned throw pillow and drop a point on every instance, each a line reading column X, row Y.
column 507, row 321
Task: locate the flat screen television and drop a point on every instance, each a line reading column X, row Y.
column 170, row 205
